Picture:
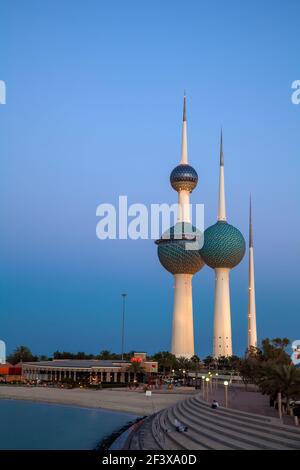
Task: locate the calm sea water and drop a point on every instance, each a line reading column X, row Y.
column 38, row 426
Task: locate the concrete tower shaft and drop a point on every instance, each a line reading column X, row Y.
column 175, row 255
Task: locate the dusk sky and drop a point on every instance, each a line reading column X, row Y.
column 94, row 109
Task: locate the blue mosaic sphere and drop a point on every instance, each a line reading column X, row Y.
column 224, row 246
column 184, row 177
column 178, row 249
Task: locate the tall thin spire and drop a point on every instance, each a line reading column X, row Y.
column 252, row 329
column 222, row 204
column 221, row 150
column 184, row 152
column 250, row 226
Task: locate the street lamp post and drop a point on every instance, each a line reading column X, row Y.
column 216, row 383
column 203, row 386
column 279, row 405
column 207, row 385
column 123, row 324
column 226, row 393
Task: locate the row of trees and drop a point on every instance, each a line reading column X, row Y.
column 166, row 361
column 24, row 354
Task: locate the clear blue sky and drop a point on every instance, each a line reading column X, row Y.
column 94, row 106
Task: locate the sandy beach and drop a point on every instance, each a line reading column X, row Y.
column 122, row 400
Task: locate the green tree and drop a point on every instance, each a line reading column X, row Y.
column 42, row 357
column 234, row 362
column 166, row 361
column 195, row 364
column 22, row 354
column 209, row 362
column 136, row 367
column 105, row 355
column 280, row 378
column 182, row 363
column 249, row 369
column 127, row 355
column 275, row 350
column 254, row 351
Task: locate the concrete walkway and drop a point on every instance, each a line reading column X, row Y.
column 123, row 400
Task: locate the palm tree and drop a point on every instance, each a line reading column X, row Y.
column 275, row 350
column 135, row 367
column 280, row 378
column 21, row 354
column 195, row 362
column 183, row 363
column 166, row 361
column 209, row 362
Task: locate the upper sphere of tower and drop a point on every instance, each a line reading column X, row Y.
column 184, row 177
column 178, row 249
column 224, row 246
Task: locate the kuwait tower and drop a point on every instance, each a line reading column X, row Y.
column 252, row 334
column 223, row 249
column 179, row 255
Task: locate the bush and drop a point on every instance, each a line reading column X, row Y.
column 113, row 385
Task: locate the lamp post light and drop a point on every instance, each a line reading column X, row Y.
column 226, row 393
column 183, row 377
column 207, row 384
column 216, row 381
column 123, row 323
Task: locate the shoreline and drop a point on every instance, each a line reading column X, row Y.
column 69, row 405
column 121, row 401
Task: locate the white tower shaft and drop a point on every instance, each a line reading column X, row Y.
column 183, row 327
column 252, row 332
column 184, row 152
column 184, row 207
column 222, row 343
column 183, row 330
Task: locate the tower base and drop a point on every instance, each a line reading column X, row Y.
column 222, row 343
column 183, row 330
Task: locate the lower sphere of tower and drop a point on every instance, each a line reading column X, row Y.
column 224, row 246
column 178, row 249
column 184, row 177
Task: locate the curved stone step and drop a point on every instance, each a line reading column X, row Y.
column 210, row 435
column 241, row 415
column 185, row 440
column 155, row 431
column 170, row 441
column 238, row 435
column 146, row 438
column 271, row 424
